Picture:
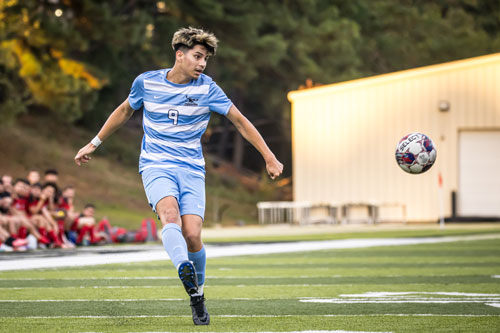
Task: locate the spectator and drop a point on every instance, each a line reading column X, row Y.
column 7, row 183
column 33, row 177
column 51, row 176
column 45, row 206
column 86, row 224
column 66, row 205
column 19, row 209
column 30, row 212
column 10, row 224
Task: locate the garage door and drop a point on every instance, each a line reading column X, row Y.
column 479, row 173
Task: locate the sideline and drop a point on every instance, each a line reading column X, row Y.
column 156, row 252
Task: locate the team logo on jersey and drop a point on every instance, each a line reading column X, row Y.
column 190, row 101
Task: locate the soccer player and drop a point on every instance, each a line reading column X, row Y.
column 177, row 105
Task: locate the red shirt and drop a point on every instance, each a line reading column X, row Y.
column 64, row 204
column 21, row 204
column 32, row 203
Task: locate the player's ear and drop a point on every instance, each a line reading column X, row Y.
column 179, row 55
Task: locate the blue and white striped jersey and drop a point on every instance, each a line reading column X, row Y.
column 175, row 118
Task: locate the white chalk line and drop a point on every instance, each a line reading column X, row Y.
column 308, row 331
column 92, row 300
column 409, row 293
column 408, row 297
column 496, row 305
column 214, row 251
column 172, row 286
column 231, row 277
column 300, row 299
column 177, row 278
column 176, row 286
column 394, row 301
column 322, row 331
column 259, row 316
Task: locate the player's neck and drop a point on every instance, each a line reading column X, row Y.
column 177, row 76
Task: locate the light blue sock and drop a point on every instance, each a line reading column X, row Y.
column 174, row 243
column 199, row 260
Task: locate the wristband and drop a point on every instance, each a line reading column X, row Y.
column 96, row 141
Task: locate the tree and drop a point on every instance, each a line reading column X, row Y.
column 36, row 66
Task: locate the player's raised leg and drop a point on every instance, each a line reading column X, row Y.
column 191, row 228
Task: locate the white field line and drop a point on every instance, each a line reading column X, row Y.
column 496, row 305
column 177, row 278
column 91, row 300
column 226, row 251
column 406, row 293
column 393, row 301
column 496, row 276
column 260, row 316
column 337, row 331
column 301, row 299
column 322, row 331
column 408, row 297
column 246, row 277
column 172, row 286
column 289, row 285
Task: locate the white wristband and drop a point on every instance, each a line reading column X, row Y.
column 96, row 141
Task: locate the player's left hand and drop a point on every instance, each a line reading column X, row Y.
column 274, row 167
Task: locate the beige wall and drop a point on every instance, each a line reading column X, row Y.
column 345, row 135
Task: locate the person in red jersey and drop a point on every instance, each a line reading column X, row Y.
column 85, row 225
column 19, row 209
column 66, row 205
column 44, row 207
column 10, row 223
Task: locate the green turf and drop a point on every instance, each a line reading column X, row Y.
column 268, row 293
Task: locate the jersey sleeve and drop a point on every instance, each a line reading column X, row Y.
column 135, row 98
column 218, row 101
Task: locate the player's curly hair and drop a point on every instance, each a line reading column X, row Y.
column 189, row 37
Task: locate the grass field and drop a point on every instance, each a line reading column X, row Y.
column 451, row 287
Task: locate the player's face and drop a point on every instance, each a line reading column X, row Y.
column 194, row 61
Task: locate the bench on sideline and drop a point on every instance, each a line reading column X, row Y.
column 302, row 213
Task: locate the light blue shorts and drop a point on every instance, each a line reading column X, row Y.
column 187, row 187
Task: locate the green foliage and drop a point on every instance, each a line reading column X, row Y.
column 79, row 65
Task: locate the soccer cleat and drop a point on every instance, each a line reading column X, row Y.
column 200, row 314
column 19, row 242
column 187, row 274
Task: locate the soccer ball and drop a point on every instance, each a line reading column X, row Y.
column 415, row 153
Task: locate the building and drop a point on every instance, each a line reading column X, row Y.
column 344, row 137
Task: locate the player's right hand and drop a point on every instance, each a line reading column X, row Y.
column 83, row 155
